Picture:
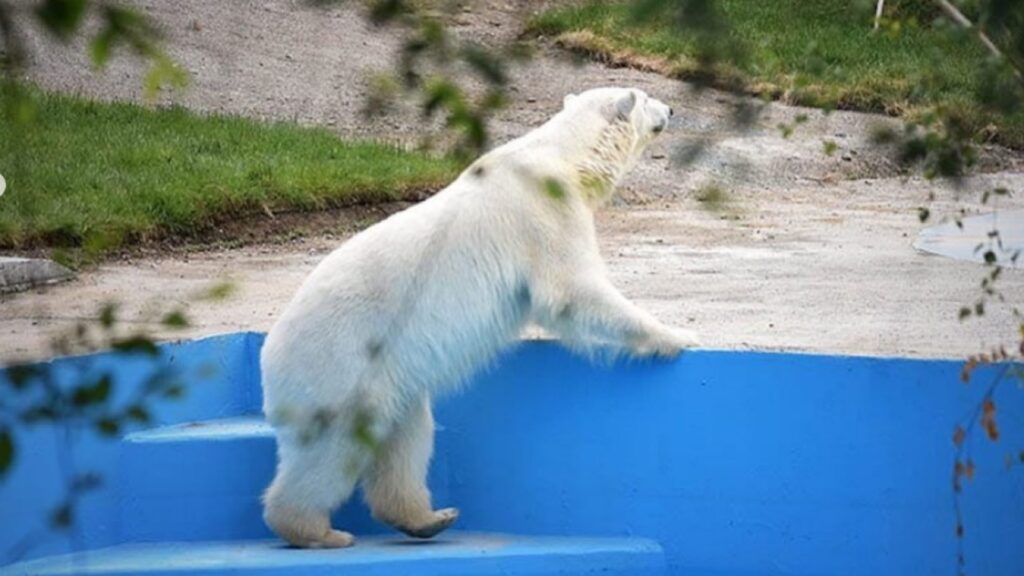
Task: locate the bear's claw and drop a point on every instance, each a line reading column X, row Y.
column 442, row 520
column 334, row 539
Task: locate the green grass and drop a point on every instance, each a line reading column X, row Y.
column 811, row 52
column 115, row 174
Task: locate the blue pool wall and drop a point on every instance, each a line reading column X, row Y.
column 739, row 463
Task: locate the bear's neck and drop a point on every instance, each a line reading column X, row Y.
column 602, row 165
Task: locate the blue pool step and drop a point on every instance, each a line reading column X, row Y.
column 189, row 503
column 224, row 464
column 224, row 429
column 452, row 554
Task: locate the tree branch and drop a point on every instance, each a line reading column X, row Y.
column 957, row 16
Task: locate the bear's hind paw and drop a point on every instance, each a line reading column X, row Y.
column 442, row 520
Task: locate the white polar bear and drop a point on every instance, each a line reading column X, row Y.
column 414, row 305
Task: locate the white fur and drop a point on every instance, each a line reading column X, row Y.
column 415, row 304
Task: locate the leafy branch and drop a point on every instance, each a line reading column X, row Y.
column 78, row 396
column 63, row 19
column 433, row 65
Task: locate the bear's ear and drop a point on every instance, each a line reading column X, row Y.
column 568, row 98
column 624, row 107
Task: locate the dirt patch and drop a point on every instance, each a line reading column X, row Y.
column 805, row 251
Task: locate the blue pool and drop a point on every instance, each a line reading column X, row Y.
column 718, row 463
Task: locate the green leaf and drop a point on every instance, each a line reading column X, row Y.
column 62, row 516
column 20, row 375
column 108, row 315
column 138, row 414
column 554, row 188
column 174, row 392
column 362, row 431
column 163, row 72
column 101, row 46
column 175, row 319
column 442, row 94
column 138, row 344
column 220, row 291
column 86, row 482
column 6, row 451
column 108, row 426
column 95, row 394
column 486, row 64
column 830, row 147
column 881, row 135
column 38, row 414
column 61, row 17
column 386, row 10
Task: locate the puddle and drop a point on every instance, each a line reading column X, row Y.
column 971, row 242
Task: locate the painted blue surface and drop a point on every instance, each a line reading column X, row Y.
column 741, row 463
column 220, row 372
column 453, row 554
column 737, row 463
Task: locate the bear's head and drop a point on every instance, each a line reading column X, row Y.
column 648, row 116
column 614, row 125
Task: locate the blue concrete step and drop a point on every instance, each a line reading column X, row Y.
column 196, row 481
column 452, row 554
column 202, row 481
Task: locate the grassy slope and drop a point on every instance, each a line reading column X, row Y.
column 812, row 52
column 124, row 173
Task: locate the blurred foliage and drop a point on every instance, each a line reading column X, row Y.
column 81, row 397
column 713, row 197
column 918, row 11
column 942, row 144
column 119, row 25
column 465, row 82
column 943, row 147
column 704, row 23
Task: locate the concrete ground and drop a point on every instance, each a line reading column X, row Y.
column 18, row 274
column 808, row 252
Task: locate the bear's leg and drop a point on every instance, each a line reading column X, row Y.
column 395, row 484
column 597, row 311
column 313, row 478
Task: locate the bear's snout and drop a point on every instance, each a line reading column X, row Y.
column 662, row 123
column 661, row 114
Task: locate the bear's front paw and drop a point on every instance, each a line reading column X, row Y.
column 686, row 338
column 667, row 344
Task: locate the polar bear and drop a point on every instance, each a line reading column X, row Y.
column 413, row 305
